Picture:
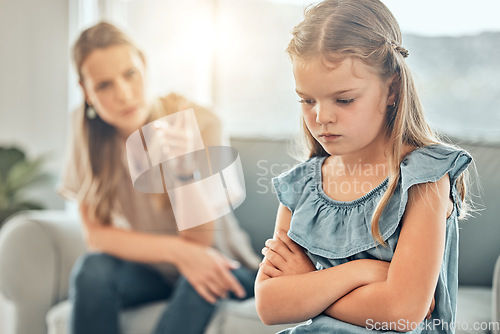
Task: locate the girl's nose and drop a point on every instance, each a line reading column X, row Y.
column 325, row 115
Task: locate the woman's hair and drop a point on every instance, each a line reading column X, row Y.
column 101, row 150
column 335, row 29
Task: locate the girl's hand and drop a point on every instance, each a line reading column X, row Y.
column 372, row 270
column 431, row 308
column 376, row 271
column 209, row 272
column 284, row 257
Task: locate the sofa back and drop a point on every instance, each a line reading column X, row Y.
column 262, row 159
column 479, row 237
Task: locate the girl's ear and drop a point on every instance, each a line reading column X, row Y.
column 394, row 84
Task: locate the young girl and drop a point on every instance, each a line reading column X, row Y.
column 366, row 233
column 136, row 253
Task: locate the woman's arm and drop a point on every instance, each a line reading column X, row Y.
column 129, row 245
column 202, row 234
column 207, row 270
column 294, row 298
column 405, row 296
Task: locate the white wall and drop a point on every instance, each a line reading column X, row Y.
column 33, row 82
column 33, row 91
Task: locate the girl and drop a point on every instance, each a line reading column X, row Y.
column 136, row 254
column 366, row 233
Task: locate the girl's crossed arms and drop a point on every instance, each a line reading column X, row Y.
column 290, row 289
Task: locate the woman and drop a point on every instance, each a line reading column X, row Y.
column 135, row 253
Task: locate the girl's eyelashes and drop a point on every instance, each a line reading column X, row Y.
column 341, row 101
column 345, row 101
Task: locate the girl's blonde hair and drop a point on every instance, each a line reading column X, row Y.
column 100, row 141
column 335, row 29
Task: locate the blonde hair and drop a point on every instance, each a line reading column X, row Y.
column 102, row 153
column 335, row 29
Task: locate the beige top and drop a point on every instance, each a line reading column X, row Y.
column 136, row 210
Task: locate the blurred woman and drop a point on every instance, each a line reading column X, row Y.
column 136, row 254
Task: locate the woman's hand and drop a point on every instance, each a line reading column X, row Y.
column 208, row 271
column 284, row 257
column 175, row 143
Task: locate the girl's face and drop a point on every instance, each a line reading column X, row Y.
column 343, row 106
column 113, row 83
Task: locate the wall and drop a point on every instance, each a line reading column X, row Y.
column 33, row 83
column 33, row 91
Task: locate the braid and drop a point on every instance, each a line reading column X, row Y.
column 398, row 48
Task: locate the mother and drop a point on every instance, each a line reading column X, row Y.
column 135, row 253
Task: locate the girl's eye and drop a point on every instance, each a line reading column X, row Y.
column 345, row 101
column 306, row 101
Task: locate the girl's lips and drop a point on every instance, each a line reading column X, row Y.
column 329, row 137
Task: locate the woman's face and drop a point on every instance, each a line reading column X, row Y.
column 113, row 83
column 343, row 106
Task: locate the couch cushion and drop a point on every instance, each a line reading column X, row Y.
column 232, row 317
column 135, row 320
column 473, row 310
column 240, row 317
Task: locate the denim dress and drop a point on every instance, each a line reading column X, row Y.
column 333, row 232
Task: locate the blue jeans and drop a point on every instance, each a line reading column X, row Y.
column 102, row 285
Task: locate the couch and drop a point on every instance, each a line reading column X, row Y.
column 38, row 249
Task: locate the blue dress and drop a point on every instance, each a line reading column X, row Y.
column 333, row 232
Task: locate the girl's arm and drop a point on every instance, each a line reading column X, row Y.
column 405, row 296
column 298, row 297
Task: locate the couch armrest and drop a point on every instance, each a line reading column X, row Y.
column 495, row 317
column 37, row 252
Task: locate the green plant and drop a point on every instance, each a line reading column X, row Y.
column 17, row 174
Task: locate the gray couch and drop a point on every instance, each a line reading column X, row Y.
column 38, row 249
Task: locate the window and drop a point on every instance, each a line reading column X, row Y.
column 230, row 54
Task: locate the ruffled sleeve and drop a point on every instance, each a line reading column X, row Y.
column 431, row 163
column 290, row 185
column 423, row 165
column 336, row 229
